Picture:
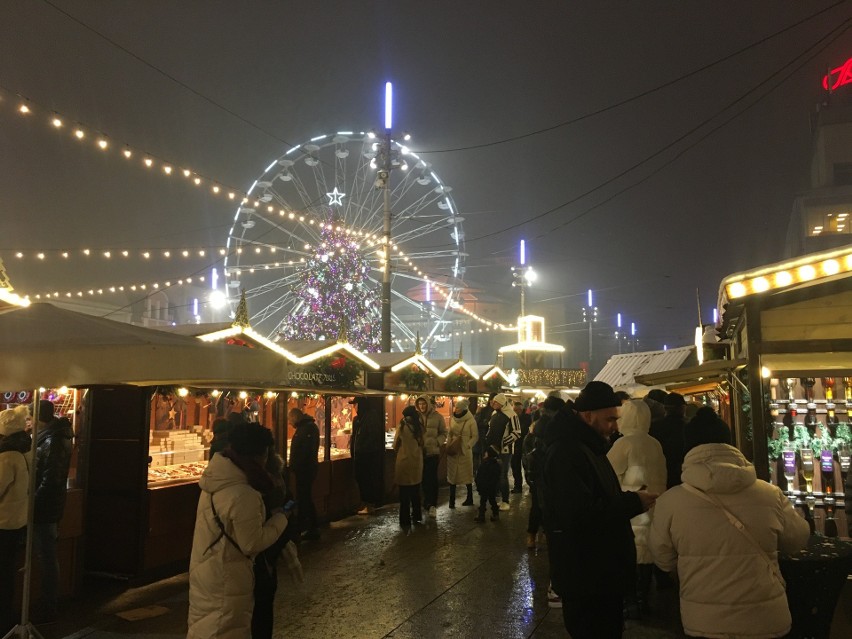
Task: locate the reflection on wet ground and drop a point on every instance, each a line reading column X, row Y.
column 366, row 578
column 449, row 577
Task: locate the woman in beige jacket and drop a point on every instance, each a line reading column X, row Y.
column 408, row 444
column 460, row 464
column 730, row 584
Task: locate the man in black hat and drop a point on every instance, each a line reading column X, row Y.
column 669, row 432
column 592, row 555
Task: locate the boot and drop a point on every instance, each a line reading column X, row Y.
column 469, row 499
column 480, row 518
column 452, row 503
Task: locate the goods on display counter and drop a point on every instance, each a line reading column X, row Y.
column 810, row 445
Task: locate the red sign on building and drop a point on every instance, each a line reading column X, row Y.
column 838, row 77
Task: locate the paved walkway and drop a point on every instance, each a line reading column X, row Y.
column 449, row 577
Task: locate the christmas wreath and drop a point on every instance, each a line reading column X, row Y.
column 456, row 382
column 414, row 378
column 345, row 371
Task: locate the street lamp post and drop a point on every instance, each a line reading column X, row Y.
column 590, row 316
column 618, row 331
column 383, row 182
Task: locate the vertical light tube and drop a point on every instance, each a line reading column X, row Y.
column 523, row 252
column 590, row 300
column 633, row 329
column 388, row 106
column 214, row 279
column 618, row 320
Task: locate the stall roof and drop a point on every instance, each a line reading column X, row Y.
column 621, row 371
column 708, row 372
column 44, row 345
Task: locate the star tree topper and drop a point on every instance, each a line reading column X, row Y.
column 335, row 197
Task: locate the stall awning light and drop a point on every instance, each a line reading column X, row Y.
column 807, row 269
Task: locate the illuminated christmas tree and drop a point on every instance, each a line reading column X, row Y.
column 336, row 295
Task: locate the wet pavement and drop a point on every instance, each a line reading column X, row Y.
column 449, row 577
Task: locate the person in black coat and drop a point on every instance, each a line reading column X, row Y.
column 53, row 460
column 669, row 432
column 367, row 447
column 303, row 462
column 591, row 550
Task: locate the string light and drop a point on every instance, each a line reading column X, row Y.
column 149, row 160
column 81, row 132
column 96, row 291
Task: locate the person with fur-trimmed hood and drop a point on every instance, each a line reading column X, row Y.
column 434, row 436
column 504, row 429
column 15, row 444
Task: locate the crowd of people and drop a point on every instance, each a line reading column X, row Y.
column 627, row 492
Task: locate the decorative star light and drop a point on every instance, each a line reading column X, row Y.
column 335, row 197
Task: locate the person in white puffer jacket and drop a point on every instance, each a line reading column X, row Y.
column 730, row 583
column 638, row 460
column 230, row 529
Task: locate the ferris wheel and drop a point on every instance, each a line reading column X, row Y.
column 329, row 185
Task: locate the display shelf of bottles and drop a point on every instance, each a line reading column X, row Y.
column 809, row 447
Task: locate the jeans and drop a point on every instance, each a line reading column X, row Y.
column 534, row 521
column 409, row 500
column 430, row 481
column 305, row 500
column 44, row 545
column 517, row 466
column 505, row 462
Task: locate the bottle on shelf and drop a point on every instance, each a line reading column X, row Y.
column 826, row 466
column 831, row 416
column 844, row 456
column 789, row 419
column 847, row 388
column 828, row 386
column 808, row 384
column 789, row 457
column 811, row 421
column 829, row 503
column 810, row 503
column 789, row 386
column 807, row 457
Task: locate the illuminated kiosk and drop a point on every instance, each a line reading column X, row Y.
column 532, row 377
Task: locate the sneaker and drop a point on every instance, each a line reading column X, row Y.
column 553, row 600
column 531, row 541
column 504, row 505
column 433, row 512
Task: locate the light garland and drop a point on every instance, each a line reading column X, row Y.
column 104, row 143
column 123, row 288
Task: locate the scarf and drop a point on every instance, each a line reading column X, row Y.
column 21, row 442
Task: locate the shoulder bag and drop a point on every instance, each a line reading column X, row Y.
column 736, row 523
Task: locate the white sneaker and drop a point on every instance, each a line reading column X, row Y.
column 504, row 505
column 433, row 512
column 553, row 600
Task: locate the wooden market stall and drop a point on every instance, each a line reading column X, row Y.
column 792, row 322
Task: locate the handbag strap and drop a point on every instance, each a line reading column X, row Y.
column 736, row 523
column 222, row 532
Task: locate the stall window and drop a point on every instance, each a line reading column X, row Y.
column 180, row 436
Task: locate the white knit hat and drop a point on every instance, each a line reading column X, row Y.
column 14, row 420
column 501, row 399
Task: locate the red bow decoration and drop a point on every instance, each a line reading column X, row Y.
column 338, row 363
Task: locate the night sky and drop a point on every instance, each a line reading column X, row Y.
column 260, row 76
